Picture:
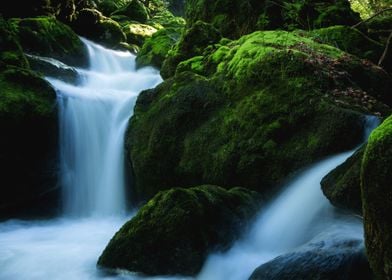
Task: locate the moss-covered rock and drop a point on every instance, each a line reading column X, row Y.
column 134, row 10
column 64, row 10
column 192, row 43
column 185, row 224
column 94, row 26
column 11, row 52
column 250, row 112
column 156, row 48
column 376, row 186
column 28, row 144
column 48, row 37
column 349, row 40
column 236, row 18
column 137, row 33
column 108, row 7
column 342, row 185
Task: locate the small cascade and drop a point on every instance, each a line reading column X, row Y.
column 297, row 215
column 93, row 120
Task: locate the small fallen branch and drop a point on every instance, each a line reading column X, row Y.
column 384, row 54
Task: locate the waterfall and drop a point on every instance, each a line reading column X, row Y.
column 297, row 215
column 93, row 119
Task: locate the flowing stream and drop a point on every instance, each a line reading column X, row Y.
column 93, row 119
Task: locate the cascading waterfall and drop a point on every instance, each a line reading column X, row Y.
column 93, row 120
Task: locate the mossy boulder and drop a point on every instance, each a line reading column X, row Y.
column 28, row 122
column 236, row 18
column 329, row 259
column 137, row 33
column 376, row 186
column 96, row 27
column 156, row 48
column 342, row 185
column 134, row 10
column 186, row 225
column 46, row 36
column 63, row 10
column 349, row 40
column 11, row 52
column 108, row 7
column 251, row 112
column 192, row 43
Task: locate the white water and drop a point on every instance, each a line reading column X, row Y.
column 94, row 117
column 300, row 213
column 93, row 120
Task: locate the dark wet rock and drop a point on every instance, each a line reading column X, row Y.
column 174, row 232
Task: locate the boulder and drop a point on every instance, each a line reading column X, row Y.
column 342, row 185
column 137, row 33
column 156, row 48
column 343, row 259
column 376, row 186
column 48, row 37
column 96, row 27
column 176, row 230
column 349, row 40
column 251, row 112
column 134, row 10
column 28, row 153
column 192, row 43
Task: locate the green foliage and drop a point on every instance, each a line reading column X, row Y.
column 237, row 18
column 185, row 224
column 367, row 8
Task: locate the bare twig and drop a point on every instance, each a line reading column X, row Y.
column 373, row 16
column 384, row 54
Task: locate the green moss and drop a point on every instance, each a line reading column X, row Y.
column 135, row 10
column 29, row 133
column 342, row 185
column 186, row 224
column 137, row 33
column 250, row 113
column 349, row 40
column 156, row 48
column 11, row 52
column 194, row 64
column 48, row 37
column 376, row 198
column 23, row 92
column 193, row 42
column 93, row 25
